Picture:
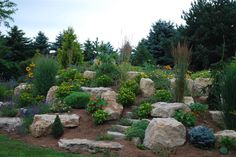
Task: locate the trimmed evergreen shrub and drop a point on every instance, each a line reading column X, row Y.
column 57, row 128
column 126, row 97
column 163, row 95
column 77, row 99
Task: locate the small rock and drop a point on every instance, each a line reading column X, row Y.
column 136, row 141
column 188, row 100
column 89, row 74
column 147, row 87
column 132, row 74
column 119, row 128
column 75, row 145
column 51, row 95
column 217, row 117
column 116, row 135
column 96, row 91
column 20, row 88
column 225, row 133
column 10, row 124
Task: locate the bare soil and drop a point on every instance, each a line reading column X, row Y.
column 88, row 130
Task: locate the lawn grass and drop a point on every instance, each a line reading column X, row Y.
column 15, row 148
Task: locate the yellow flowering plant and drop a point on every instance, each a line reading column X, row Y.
column 29, row 70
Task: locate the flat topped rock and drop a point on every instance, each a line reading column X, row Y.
column 75, row 145
column 96, row 91
column 225, row 133
column 165, row 110
column 10, row 124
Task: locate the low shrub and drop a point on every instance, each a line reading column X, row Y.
column 65, row 75
column 125, row 122
column 187, row 118
column 95, row 103
column 57, row 128
column 227, row 144
column 201, row 74
column 198, row 108
column 66, row 89
column 2, row 92
column 163, row 95
column 144, row 110
column 59, row 107
column 103, row 81
column 99, row 116
column 8, row 111
column 126, row 97
column 77, row 99
column 137, row 130
column 153, row 99
column 104, row 137
column 132, row 85
column 26, row 99
column 202, row 137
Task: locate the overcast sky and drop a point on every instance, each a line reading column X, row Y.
column 109, row 20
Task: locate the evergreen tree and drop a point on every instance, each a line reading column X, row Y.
column 41, row 43
column 70, row 53
column 89, row 50
column 7, row 8
column 57, row 128
column 59, row 39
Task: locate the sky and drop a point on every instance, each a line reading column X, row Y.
column 109, row 20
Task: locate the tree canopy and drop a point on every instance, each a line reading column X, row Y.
column 7, row 8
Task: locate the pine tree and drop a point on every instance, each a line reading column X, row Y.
column 7, row 8
column 41, row 43
column 57, row 128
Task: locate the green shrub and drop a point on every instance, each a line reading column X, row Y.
column 137, row 130
column 108, row 69
column 65, row 75
column 132, row 85
column 57, row 128
column 95, row 104
column 27, row 121
column 2, row 92
column 187, row 118
column 198, row 108
column 202, row 137
column 59, row 107
column 153, row 99
column 104, row 137
column 126, row 97
column 77, row 99
column 8, row 111
column 163, row 95
column 66, row 89
column 44, row 75
column 103, row 81
column 228, row 95
column 26, row 99
column 201, row 74
column 99, row 116
column 125, row 122
column 144, row 110
column 160, row 80
column 227, row 144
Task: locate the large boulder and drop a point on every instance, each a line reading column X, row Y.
column 147, row 87
column 164, row 132
column 89, row 74
column 217, row 117
column 201, row 87
column 20, row 88
column 133, row 74
column 165, row 110
column 51, row 95
column 41, row 125
column 10, row 124
column 75, row 145
column 225, row 133
column 113, row 109
column 96, row 91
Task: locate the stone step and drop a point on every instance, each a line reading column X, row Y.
column 74, row 145
column 116, row 135
column 119, row 128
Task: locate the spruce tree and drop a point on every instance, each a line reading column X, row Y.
column 57, row 128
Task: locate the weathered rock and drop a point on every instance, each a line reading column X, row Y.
column 75, row 145
column 188, row 100
column 51, row 95
column 164, row 132
column 89, row 74
column 225, row 133
column 20, row 88
column 201, row 99
column 116, row 135
column 10, row 124
column 147, row 87
column 217, row 117
column 128, row 114
column 165, row 110
column 113, row 109
column 132, row 74
column 119, row 128
column 136, row 141
column 96, row 91
column 41, row 125
column 189, row 83
column 201, row 86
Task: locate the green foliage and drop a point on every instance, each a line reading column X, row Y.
column 201, row 74
column 103, row 81
column 144, row 110
column 26, row 99
column 187, row 118
column 125, row 51
column 59, row 107
column 99, row 116
column 160, row 80
column 41, row 43
column 3, row 91
column 95, row 103
column 125, row 122
column 66, row 75
column 141, row 147
column 153, row 99
column 181, row 55
column 66, row 89
column 126, row 97
column 104, row 137
column 137, row 130
column 132, row 85
column 7, row 9
column 228, row 95
column 27, row 121
column 77, row 99
column 198, row 108
column 202, row 137
column 227, row 144
column 70, row 53
column 44, row 75
column 8, row 111
column 57, row 128
column 163, row 95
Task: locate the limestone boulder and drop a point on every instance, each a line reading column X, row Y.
column 96, row 91
column 20, row 88
column 41, row 125
column 113, row 109
column 225, row 133
column 74, row 145
column 89, row 74
column 164, row 132
column 147, row 87
column 201, row 87
column 217, row 117
column 132, row 74
column 188, row 100
column 51, row 95
column 165, row 110
column 10, row 124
